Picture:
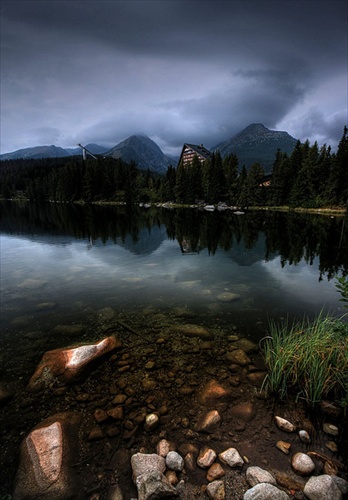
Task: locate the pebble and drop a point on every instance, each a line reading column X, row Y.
column 284, row 425
column 330, row 429
column 174, row 461
column 151, row 421
column 216, row 490
column 206, row 457
column 304, row 436
column 215, row 471
column 231, row 457
column 283, row 446
column 302, row 464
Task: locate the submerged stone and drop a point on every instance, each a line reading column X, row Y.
column 46, row 457
column 68, row 364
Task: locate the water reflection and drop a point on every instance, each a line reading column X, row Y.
column 256, row 236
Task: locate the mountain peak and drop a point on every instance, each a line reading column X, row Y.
column 256, row 143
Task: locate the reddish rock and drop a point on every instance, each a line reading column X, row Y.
column 213, row 392
column 46, row 456
column 215, row 472
column 68, row 364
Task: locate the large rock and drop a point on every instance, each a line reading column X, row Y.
column 66, row 365
column 245, row 411
column 322, row 488
column 148, row 476
column 46, row 456
column 265, row 491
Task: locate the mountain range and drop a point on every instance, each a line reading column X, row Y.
column 253, row 144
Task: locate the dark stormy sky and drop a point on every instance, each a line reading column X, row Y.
column 176, row 70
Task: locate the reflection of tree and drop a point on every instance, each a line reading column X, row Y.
column 292, row 236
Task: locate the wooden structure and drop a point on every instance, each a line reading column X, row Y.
column 189, row 151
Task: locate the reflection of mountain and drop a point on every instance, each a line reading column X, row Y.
column 147, row 241
column 257, row 236
column 248, row 256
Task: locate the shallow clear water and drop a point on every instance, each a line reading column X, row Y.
column 63, row 264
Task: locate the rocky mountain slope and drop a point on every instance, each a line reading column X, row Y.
column 36, row 152
column 143, row 151
column 256, row 143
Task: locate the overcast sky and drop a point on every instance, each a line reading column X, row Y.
column 178, row 71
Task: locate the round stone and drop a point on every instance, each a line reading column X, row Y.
column 302, row 464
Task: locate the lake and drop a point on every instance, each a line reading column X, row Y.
column 63, row 263
column 72, row 273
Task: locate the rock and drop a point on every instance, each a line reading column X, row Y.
column 151, row 422
column 246, row 345
column 244, row 411
column 330, row 429
column 66, row 365
column 256, row 475
column 322, row 488
column 304, row 436
column 116, row 413
column 154, row 485
column 206, row 457
column 212, row 393
column 107, row 314
column 216, row 490
column 341, row 483
column 284, row 425
column 302, row 464
column 215, row 471
column 68, row 330
column 146, row 462
column 174, row 461
column 191, row 330
column 283, row 446
column 332, row 446
column 238, row 357
column 208, row 421
column 32, row 284
column 100, row 415
column 256, row 378
column 46, row 456
column 164, row 447
column 265, row 491
column 228, row 297
column 190, row 463
column 231, row 457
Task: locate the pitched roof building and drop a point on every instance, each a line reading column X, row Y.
column 189, row 151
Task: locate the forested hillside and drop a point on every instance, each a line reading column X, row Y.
column 309, row 177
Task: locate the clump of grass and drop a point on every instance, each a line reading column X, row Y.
column 308, row 358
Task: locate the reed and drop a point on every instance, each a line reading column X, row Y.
column 309, row 359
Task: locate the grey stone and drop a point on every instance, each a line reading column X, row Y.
column 174, row 461
column 153, row 486
column 322, row 488
column 231, row 457
column 302, row 464
column 146, row 463
column 216, row 490
column 256, row 475
column 265, row 491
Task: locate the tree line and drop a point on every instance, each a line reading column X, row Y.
column 309, row 177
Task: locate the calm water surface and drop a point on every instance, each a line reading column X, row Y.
column 63, row 265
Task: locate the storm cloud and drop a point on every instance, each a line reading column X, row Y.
column 178, row 71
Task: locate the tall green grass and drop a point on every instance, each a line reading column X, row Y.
column 309, row 359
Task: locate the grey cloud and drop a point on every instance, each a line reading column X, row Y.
column 178, row 70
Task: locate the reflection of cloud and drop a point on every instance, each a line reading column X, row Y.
column 301, row 281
